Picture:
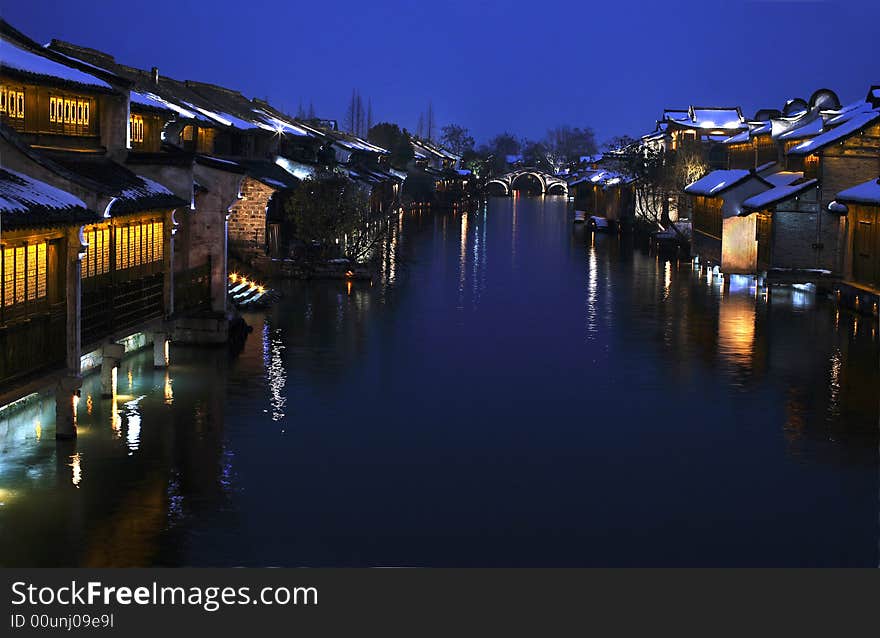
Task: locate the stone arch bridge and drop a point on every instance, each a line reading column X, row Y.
column 550, row 184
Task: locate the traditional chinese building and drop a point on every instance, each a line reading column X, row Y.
column 861, row 268
column 803, row 154
column 63, row 130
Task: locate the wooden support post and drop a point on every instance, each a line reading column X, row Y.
column 160, row 350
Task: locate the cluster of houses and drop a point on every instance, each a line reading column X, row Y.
column 123, row 194
column 791, row 195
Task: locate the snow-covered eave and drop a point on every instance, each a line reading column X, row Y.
column 722, row 181
column 777, row 195
column 838, row 134
column 864, row 193
column 710, row 126
column 28, row 203
column 19, row 61
column 52, row 80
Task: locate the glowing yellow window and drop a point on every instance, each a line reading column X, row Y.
column 137, row 129
column 9, row 276
column 19, row 274
column 158, row 244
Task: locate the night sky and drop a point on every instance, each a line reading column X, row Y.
column 490, row 66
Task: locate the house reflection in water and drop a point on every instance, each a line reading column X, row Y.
column 120, row 494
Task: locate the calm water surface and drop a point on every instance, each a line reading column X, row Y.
column 512, row 392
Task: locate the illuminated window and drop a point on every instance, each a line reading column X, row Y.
column 158, row 244
column 97, row 261
column 136, row 124
column 8, row 276
column 24, row 273
column 138, row 245
column 12, row 102
column 187, row 133
column 205, row 141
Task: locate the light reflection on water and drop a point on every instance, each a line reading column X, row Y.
column 581, row 403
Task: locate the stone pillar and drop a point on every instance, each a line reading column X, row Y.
column 171, row 226
column 66, row 397
column 111, row 357
column 160, row 350
column 220, row 270
column 73, row 295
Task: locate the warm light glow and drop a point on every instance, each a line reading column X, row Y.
column 168, row 391
column 76, row 465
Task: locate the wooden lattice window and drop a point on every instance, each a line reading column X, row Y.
column 24, row 273
column 97, row 260
column 139, row 244
column 136, row 124
column 12, row 102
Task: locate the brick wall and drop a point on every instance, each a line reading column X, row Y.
column 842, row 166
column 247, row 219
column 794, row 234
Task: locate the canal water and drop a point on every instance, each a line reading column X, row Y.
column 512, row 391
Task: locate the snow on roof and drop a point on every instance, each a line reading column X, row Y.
column 676, row 114
column 20, row 193
column 153, row 101
column 707, row 117
column 835, row 118
column 353, row 143
column 654, row 135
column 809, row 129
column 601, row 178
column 433, row 149
column 279, row 125
column 716, row 182
column 224, row 118
column 147, row 188
column 778, row 194
column 297, row 169
column 840, row 133
column 864, row 193
column 739, row 138
column 15, row 57
column 783, row 178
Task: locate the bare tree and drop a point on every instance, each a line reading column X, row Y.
column 429, row 122
column 351, row 113
column 359, row 117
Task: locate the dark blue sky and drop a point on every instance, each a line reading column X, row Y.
column 491, row 66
